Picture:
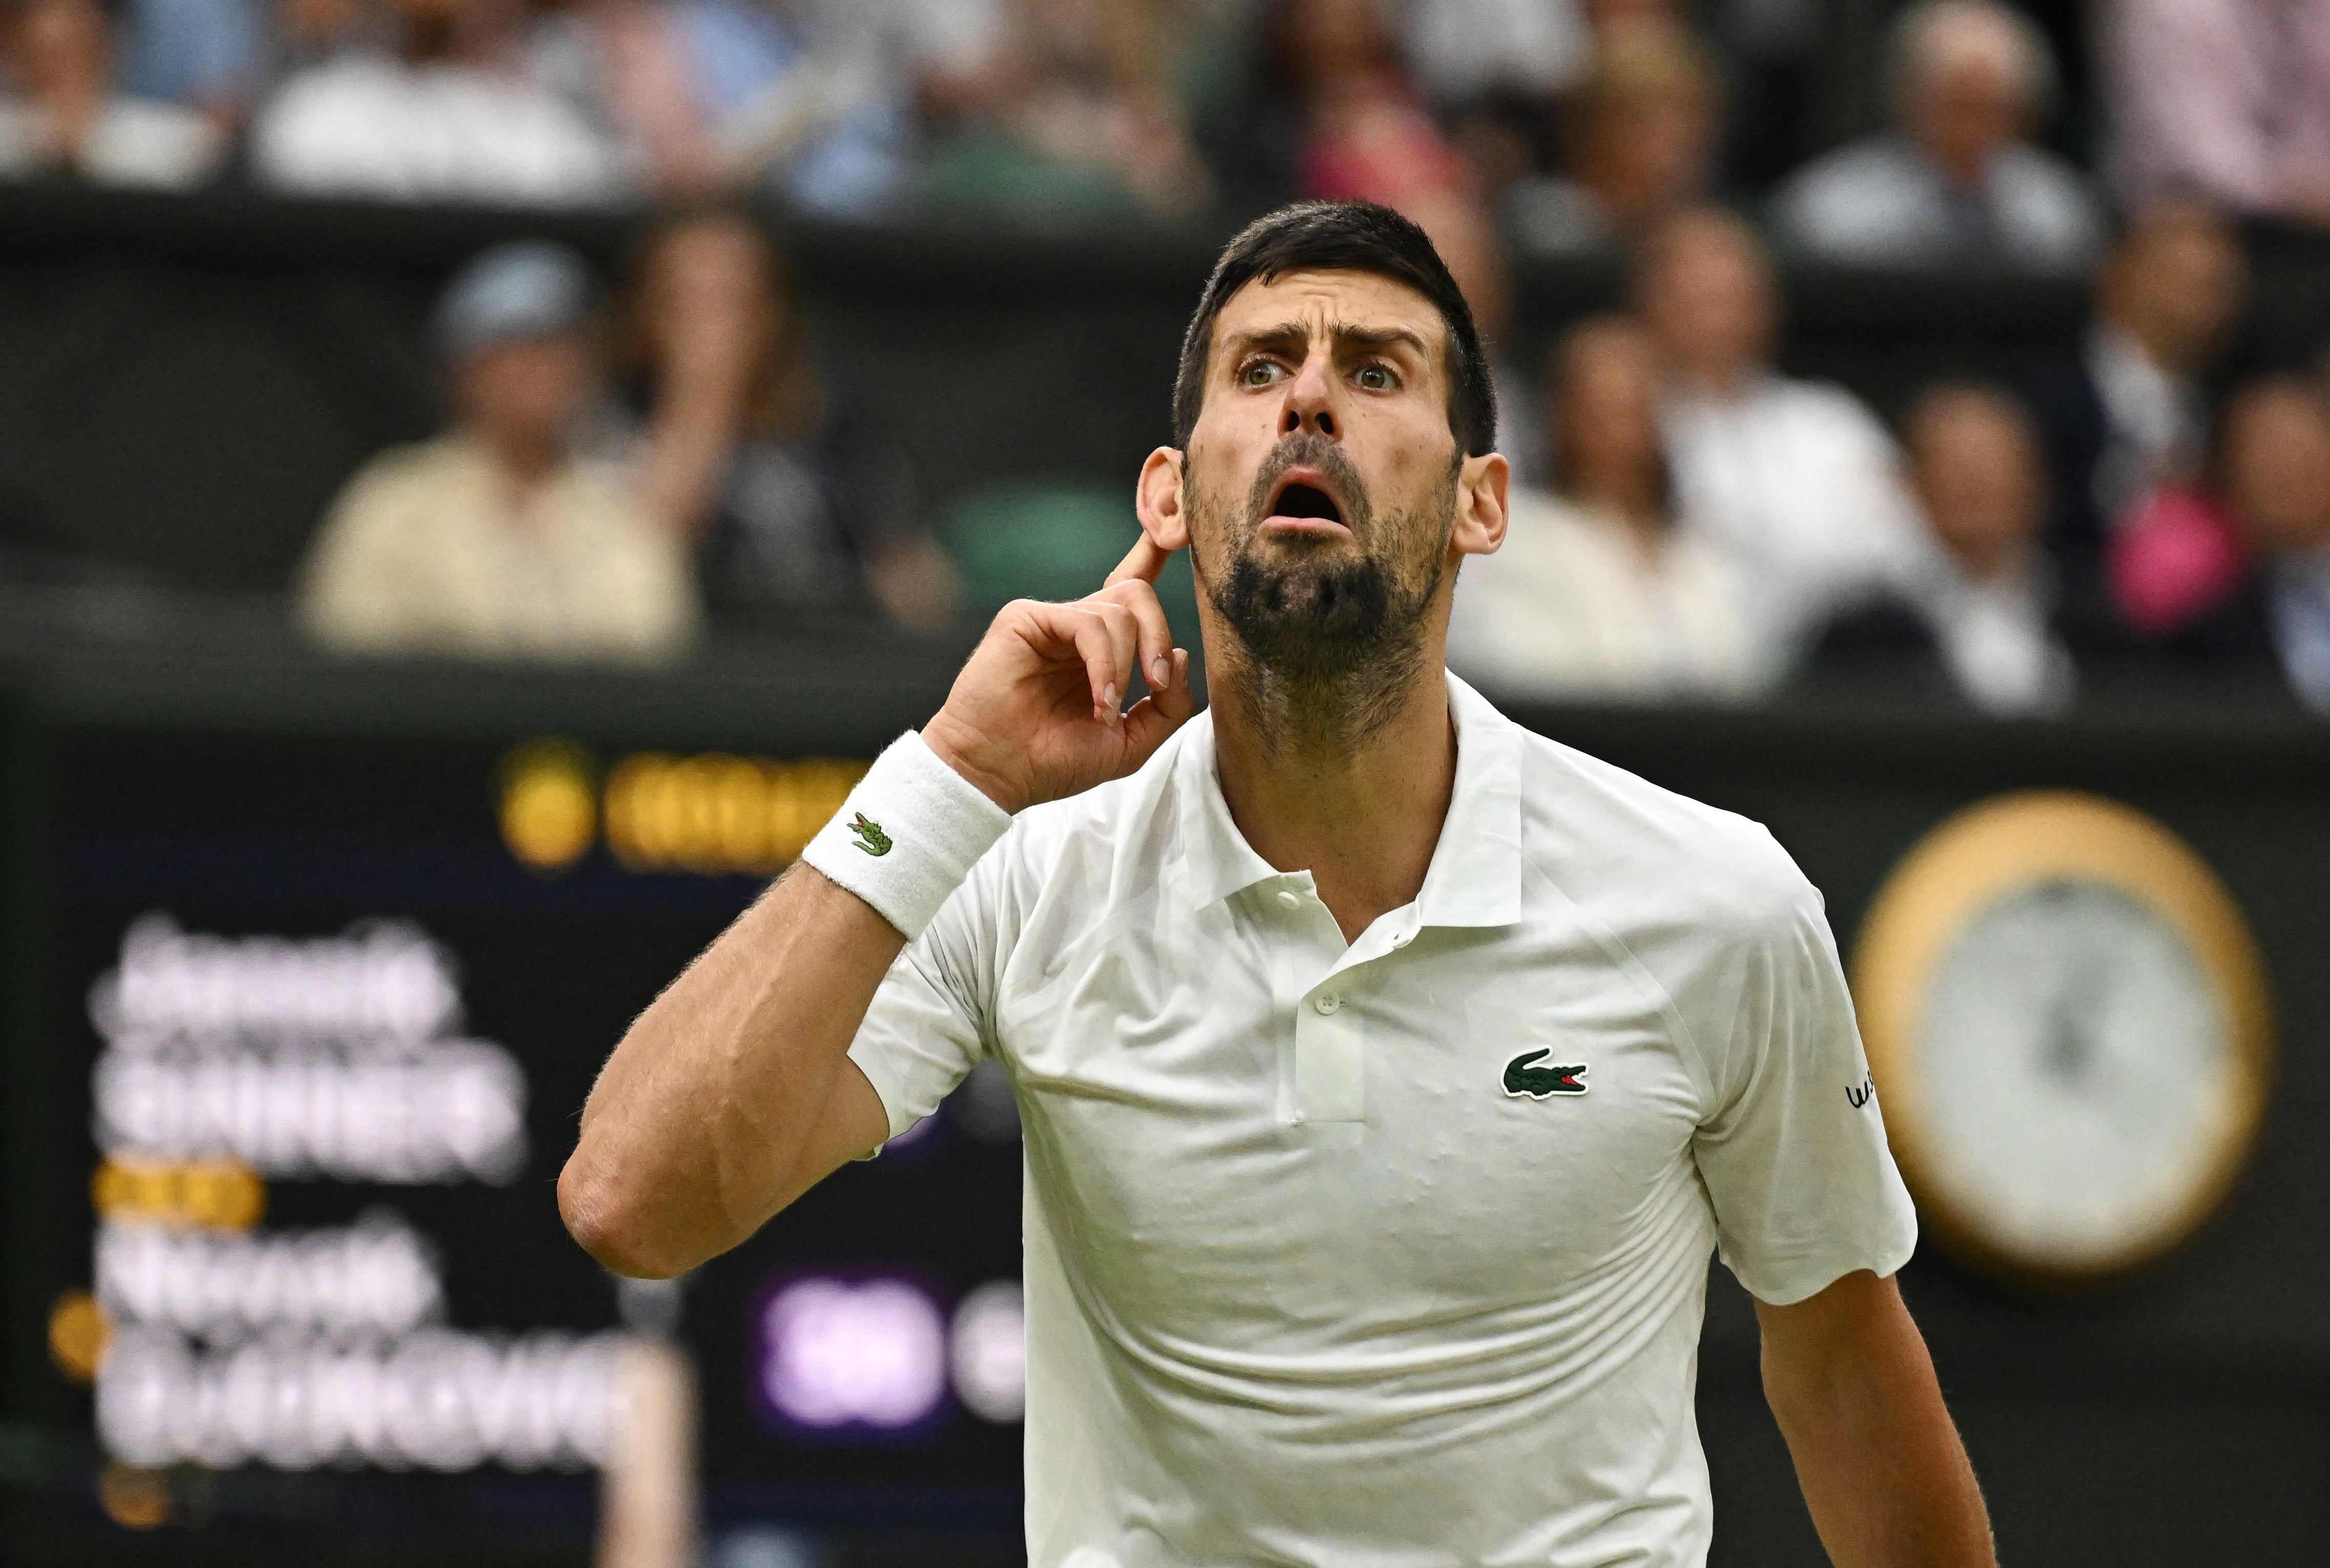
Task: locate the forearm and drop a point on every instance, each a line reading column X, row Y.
column 1884, row 1472
column 702, row 1122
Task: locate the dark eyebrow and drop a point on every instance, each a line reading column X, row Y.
column 1288, row 335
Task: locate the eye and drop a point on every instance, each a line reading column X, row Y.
column 1376, row 378
column 1259, row 373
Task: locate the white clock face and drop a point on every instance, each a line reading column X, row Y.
column 2075, row 1071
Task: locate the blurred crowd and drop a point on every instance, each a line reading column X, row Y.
column 1566, row 123
column 629, row 457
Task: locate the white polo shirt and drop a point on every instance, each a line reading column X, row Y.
column 1395, row 1252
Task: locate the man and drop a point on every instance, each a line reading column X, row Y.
column 1387, row 1072
column 1797, row 478
column 2124, row 414
column 67, row 118
column 1978, row 616
column 502, row 539
column 1961, row 181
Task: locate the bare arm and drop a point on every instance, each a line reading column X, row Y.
column 1881, row 1464
column 734, row 1093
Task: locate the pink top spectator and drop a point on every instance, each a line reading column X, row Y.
column 2178, row 558
column 2228, row 100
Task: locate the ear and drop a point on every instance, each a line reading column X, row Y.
column 1158, row 500
column 1480, row 514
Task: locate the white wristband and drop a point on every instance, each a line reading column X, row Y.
column 908, row 835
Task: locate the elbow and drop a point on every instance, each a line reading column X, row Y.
column 607, row 1217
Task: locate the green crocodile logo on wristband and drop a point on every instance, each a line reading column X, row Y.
column 871, row 839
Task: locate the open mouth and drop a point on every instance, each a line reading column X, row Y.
column 1301, row 499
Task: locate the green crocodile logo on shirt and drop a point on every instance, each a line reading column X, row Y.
column 1538, row 1083
column 871, row 839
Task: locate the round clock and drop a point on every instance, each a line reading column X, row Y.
column 2069, row 1029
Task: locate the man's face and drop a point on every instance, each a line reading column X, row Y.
column 527, row 394
column 1322, row 482
column 1965, row 112
column 1708, row 299
column 1978, row 475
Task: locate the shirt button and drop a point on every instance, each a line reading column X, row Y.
column 1290, row 899
column 1403, row 939
column 1327, row 1002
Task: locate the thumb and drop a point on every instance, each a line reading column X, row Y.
column 1157, row 715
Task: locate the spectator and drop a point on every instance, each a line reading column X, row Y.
column 1978, row 612
column 1643, row 133
column 624, row 69
column 794, row 506
column 1342, row 120
column 811, row 99
column 447, row 114
column 1596, row 592
column 1465, row 51
column 2277, row 487
column 499, row 539
column 1338, row 117
column 1078, row 115
column 2122, row 416
column 206, row 54
column 63, row 116
column 1959, row 180
column 309, row 33
column 2225, row 101
column 2238, row 567
column 1797, row 478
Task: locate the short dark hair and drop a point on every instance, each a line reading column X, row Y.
column 1343, row 237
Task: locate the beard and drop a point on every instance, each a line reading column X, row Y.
column 1330, row 641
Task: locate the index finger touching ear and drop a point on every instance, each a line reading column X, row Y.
column 1145, row 562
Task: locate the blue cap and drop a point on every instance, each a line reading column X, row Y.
column 528, row 289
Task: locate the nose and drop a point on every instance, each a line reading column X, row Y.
column 1311, row 398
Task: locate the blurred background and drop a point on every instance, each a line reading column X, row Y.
column 479, row 478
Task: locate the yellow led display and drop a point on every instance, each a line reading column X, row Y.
column 719, row 813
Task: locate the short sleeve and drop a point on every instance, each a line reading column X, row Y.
column 1793, row 1154
column 925, row 1028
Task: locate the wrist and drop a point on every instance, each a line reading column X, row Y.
column 908, row 835
column 958, row 746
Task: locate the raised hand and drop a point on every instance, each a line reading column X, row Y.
column 1036, row 712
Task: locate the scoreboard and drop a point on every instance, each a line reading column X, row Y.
column 323, row 1013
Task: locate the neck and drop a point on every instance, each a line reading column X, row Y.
column 527, row 462
column 1633, row 499
column 1348, row 779
column 2156, row 344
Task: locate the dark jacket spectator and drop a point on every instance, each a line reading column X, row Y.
column 62, row 117
column 794, row 506
column 1974, row 617
column 2123, row 415
column 2267, row 494
column 1959, row 180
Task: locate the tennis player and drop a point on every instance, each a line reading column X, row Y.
column 1389, row 1073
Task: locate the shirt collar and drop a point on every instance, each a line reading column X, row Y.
column 1475, row 875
